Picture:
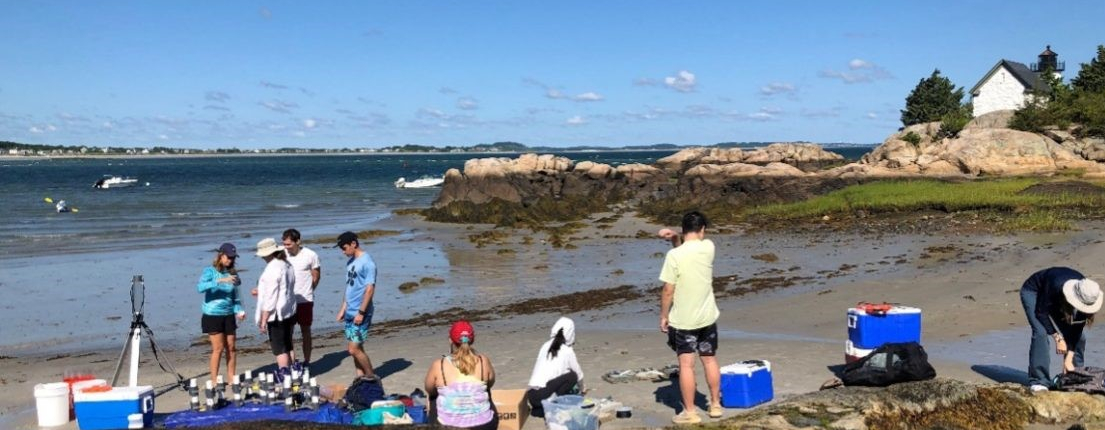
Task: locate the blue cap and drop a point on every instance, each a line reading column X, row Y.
column 229, row 250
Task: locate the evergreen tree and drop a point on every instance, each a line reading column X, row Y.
column 1091, row 78
column 932, row 99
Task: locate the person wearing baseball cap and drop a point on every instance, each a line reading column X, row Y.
column 1059, row 302
column 459, row 384
column 357, row 307
column 222, row 308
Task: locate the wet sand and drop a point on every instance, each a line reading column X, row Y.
column 787, row 305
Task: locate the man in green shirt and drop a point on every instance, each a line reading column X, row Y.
column 688, row 312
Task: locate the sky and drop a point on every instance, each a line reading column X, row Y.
column 364, row 74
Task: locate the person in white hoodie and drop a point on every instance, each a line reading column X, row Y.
column 556, row 371
column 275, row 313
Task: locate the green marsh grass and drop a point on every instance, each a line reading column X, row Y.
column 1003, row 197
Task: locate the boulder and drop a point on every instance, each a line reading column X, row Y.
column 995, row 119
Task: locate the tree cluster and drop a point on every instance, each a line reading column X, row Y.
column 937, row 99
column 1080, row 104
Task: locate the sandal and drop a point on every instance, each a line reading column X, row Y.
column 619, row 376
column 716, row 411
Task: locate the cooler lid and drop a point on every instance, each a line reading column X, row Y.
column 896, row 309
column 116, row 393
column 746, row 367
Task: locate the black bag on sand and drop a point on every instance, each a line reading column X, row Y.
column 1082, row 379
column 362, row 392
column 889, row 364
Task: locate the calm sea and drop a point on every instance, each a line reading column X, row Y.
column 199, row 200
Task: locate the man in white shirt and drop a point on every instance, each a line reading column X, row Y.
column 307, row 270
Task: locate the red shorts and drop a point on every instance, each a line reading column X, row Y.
column 304, row 313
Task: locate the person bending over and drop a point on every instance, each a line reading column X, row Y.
column 556, row 370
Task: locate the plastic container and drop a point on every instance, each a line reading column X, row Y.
column 899, row 324
column 746, row 384
column 570, row 412
column 417, row 413
column 52, row 404
column 115, row 409
column 375, row 415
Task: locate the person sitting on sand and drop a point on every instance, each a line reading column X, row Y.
column 556, row 370
column 276, row 303
column 459, row 384
column 1059, row 302
column 222, row 309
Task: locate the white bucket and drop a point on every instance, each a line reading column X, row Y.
column 52, row 403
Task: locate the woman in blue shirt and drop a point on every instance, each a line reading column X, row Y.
column 222, row 308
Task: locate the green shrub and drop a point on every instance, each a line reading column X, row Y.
column 913, row 138
column 953, row 122
column 931, row 99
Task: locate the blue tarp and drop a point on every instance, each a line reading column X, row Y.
column 327, row 413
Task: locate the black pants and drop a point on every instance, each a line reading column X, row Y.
column 559, row 385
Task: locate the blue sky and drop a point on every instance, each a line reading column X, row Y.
column 558, row 73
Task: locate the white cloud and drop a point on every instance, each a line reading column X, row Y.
column 588, row 97
column 35, row 130
column 777, row 88
column 872, row 115
column 857, row 63
column 553, row 93
column 310, row 123
column 683, row 81
column 446, row 90
column 646, row 82
column 279, row 106
column 216, row 96
column 861, row 71
column 50, row 127
column 272, row 85
column 467, row 103
column 162, row 137
column 576, row 120
column 299, row 134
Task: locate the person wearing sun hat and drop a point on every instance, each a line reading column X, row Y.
column 459, row 384
column 1059, row 303
column 276, row 302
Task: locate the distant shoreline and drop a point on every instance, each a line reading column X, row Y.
column 6, row 157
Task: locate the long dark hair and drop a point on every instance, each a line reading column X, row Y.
column 1069, row 312
column 557, row 341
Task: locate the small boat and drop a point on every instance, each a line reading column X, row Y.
column 109, row 181
column 62, row 207
column 423, row 182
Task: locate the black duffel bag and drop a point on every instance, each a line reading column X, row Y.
column 889, row 364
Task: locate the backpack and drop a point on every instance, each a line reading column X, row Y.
column 362, row 392
column 1082, row 379
column 889, row 364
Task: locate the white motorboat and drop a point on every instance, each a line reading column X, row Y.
column 423, row 182
column 109, row 181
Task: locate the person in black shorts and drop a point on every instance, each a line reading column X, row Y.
column 222, row 308
column 689, row 313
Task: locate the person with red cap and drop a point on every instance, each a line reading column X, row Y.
column 459, row 384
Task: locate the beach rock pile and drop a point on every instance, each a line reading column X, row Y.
column 938, row 403
column 800, row 156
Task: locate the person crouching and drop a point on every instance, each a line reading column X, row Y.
column 276, row 303
column 556, row 371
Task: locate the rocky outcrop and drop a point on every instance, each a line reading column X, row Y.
column 804, row 156
column 977, row 151
column 938, row 403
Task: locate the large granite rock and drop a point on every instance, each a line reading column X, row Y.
column 805, row 156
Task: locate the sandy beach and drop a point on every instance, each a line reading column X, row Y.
column 784, row 299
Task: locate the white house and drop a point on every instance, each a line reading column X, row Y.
column 1009, row 83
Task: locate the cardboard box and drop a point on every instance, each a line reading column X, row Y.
column 512, row 407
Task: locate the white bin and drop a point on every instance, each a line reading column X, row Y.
column 52, row 404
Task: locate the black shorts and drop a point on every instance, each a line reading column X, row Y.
column 280, row 336
column 215, row 324
column 701, row 340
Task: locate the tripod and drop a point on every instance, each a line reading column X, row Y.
column 134, row 340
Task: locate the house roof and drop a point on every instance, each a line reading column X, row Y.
column 1047, row 52
column 1024, row 75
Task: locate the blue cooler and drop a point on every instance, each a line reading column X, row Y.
column 118, row 408
column 746, row 384
column 870, row 331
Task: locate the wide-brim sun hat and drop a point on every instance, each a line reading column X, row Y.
column 1084, row 294
column 267, row 247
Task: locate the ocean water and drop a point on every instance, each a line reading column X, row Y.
column 66, row 276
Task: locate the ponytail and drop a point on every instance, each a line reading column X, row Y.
column 558, row 340
column 465, row 359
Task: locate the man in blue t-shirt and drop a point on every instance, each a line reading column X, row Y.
column 356, row 307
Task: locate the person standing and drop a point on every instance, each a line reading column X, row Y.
column 276, row 303
column 305, row 265
column 1059, row 303
column 357, row 308
column 688, row 312
column 222, row 309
